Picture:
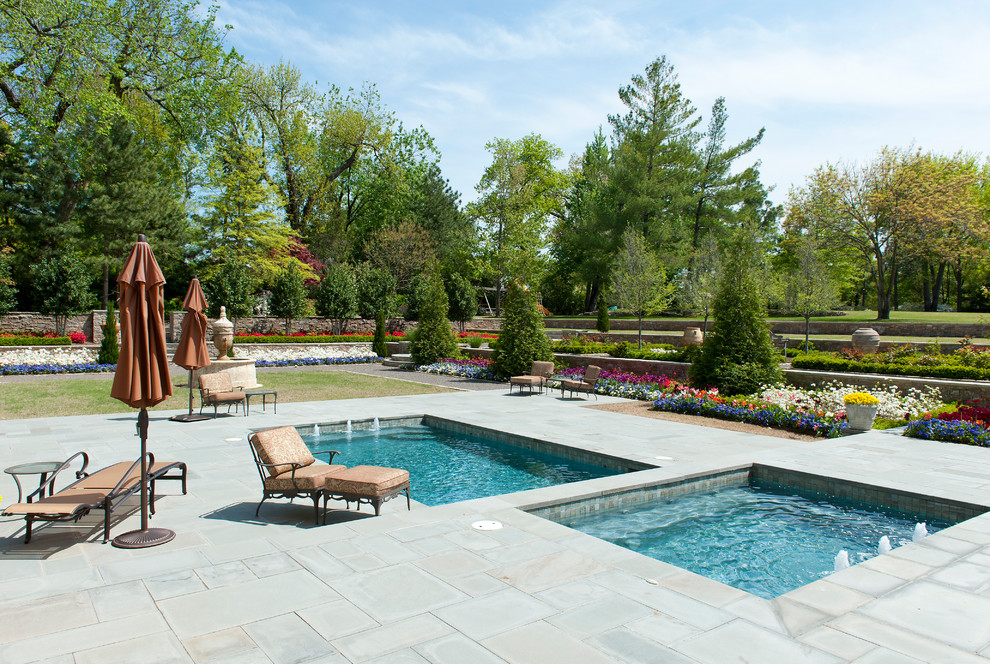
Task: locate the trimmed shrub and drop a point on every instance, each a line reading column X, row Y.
column 462, row 299
column 337, row 296
column 523, row 338
column 602, row 324
column 288, row 299
column 378, row 344
column 109, row 349
column 738, row 355
column 61, row 286
column 434, row 338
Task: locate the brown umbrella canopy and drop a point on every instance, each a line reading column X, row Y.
column 192, row 352
column 142, row 378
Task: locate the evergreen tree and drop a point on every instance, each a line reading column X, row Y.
column 378, row 343
column 738, row 355
column 603, row 324
column 434, row 339
column 462, row 299
column 8, row 291
column 230, row 286
column 522, row 339
column 109, row 347
column 288, row 299
column 420, row 290
column 62, row 288
column 336, row 297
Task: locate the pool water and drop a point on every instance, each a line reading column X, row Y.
column 764, row 538
column 446, row 467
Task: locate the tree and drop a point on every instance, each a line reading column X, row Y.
column 602, row 324
column 639, row 282
column 420, row 290
column 62, row 288
column 718, row 193
column 126, row 194
column 522, row 339
column 376, row 299
column 434, row 339
column 288, row 299
column 655, row 154
column 230, row 286
column 520, row 192
column 701, row 279
column 462, row 299
column 109, row 347
column 8, row 291
column 242, row 223
column 337, row 297
column 403, row 251
column 810, row 286
column 737, row 356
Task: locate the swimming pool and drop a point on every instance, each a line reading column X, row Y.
column 763, row 537
column 446, row 465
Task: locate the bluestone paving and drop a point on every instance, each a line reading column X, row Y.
column 422, row 585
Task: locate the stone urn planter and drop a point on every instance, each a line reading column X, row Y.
column 860, row 416
column 693, row 336
column 223, row 335
column 866, row 340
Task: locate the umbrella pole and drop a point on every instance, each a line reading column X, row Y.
column 140, row 539
column 190, row 417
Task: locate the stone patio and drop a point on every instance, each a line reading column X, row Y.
column 423, row 586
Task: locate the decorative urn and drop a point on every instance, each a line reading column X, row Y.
column 861, row 410
column 693, row 336
column 866, row 340
column 223, row 334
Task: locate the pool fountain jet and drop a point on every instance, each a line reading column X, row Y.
column 841, row 560
column 884, row 545
column 316, row 429
column 920, row 532
column 349, row 429
column 376, row 426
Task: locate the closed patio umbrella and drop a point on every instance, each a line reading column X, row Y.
column 192, row 353
column 142, row 378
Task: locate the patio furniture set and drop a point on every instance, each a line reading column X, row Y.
column 217, row 389
column 541, row 375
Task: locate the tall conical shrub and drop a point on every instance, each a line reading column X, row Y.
column 522, row 339
column 109, row 349
column 378, row 346
column 603, row 324
column 434, row 339
column 738, row 355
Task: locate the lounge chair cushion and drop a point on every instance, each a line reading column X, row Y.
column 308, row 478
column 526, row 380
column 109, row 476
column 66, row 501
column 282, row 446
column 371, row 481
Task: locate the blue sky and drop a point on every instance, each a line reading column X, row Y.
column 830, row 81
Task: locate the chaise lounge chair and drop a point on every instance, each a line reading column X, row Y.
column 537, row 377
column 217, row 389
column 104, row 490
column 287, row 468
column 587, row 384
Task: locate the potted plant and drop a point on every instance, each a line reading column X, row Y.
column 861, row 410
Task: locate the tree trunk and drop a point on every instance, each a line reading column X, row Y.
column 106, row 284
column 807, row 333
column 957, row 270
column 926, row 288
column 937, row 283
column 640, row 346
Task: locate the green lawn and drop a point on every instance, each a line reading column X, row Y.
column 57, row 397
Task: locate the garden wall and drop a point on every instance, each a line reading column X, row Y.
column 31, row 321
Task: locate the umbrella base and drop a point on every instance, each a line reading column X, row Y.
column 141, row 539
column 190, row 417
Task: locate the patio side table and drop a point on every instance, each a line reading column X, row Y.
column 264, row 399
column 37, row 468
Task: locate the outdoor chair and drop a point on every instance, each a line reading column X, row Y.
column 587, row 384
column 216, row 389
column 103, row 490
column 537, row 377
column 287, row 468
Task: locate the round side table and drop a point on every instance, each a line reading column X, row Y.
column 37, row 468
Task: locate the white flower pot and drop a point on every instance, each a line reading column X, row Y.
column 860, row 416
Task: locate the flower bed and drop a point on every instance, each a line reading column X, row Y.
column 958, row 431
column 37, row 339
column 478, row 369
column 820, row 424
column 968, row 362
column 307, row 361
column 830, row 398
column 48, row 368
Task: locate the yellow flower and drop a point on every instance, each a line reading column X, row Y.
column 861, row 398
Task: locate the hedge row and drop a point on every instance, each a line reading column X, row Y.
column 829, row 363
column 35, row 341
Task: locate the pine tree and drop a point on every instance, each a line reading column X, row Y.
column 522, row 339
column 738, row 355
column 434, row 339
column 109, row 348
